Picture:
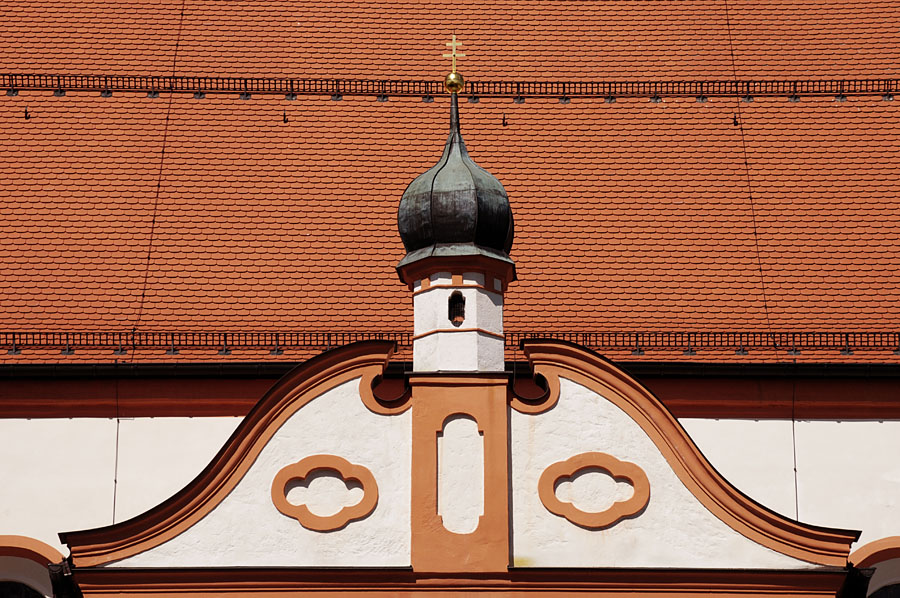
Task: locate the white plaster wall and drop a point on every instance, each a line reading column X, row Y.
column 325, row 493
column 454, row 350
column 246, row 529
column 593, row 491
column 491, row 356
column 59, row 474
column 469, row 351
column 484, row 310
column 756, row 456
column 159, row 456
column 56, row 475
column 28, row 572
column 848, row 472
column 441, row 278
column 848, row 475
column 675, row 530
column 460, row 474
column 473, row 278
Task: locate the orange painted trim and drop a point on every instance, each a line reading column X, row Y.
column 480, row 330
column 456, row 280
column 619, row 470
column 368, row 392
column 540, row 404
column 346, row 470
column 612, row 583
column 170, row 518
column 825, row 546
column 869, row 555
column 28, row 548
column 437, row 397
column 424, row 284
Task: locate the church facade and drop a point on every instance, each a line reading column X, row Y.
column 459, row 476
column 675, row 371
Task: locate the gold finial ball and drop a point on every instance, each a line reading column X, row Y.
column 454, row 82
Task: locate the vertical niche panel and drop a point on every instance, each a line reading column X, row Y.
column 460, row 474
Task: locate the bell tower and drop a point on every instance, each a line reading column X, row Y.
column 457, row 228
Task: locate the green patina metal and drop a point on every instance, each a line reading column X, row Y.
column 455, row 208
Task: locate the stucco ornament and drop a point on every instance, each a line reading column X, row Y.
column 347, row 471
column 618, row 470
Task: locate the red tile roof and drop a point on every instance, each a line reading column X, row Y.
column 630, row 216
column 525, row 39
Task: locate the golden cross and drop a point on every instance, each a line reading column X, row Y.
column 453, row 53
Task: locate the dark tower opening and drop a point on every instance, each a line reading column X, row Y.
column 456, row 309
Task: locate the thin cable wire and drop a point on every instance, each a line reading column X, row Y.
column 794, row 444
column 762, row 279
column 116, row 463
column 140, row 311
column 159, row 175
column 740, row 123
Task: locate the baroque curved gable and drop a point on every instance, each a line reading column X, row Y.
column 461, row 474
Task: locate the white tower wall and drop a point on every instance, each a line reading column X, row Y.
column 472, row 344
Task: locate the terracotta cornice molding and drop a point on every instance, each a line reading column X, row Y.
column 112, row 543
column 29, row 548
column 540, row 404
column 869, row 555
column 624, row 583
column 824, row 546
column 376, row 402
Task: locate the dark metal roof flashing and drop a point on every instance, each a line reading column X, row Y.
column 456, row 208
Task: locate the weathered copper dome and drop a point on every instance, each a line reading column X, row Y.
column 456, row 208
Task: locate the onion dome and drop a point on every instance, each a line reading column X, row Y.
column 456, row 208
